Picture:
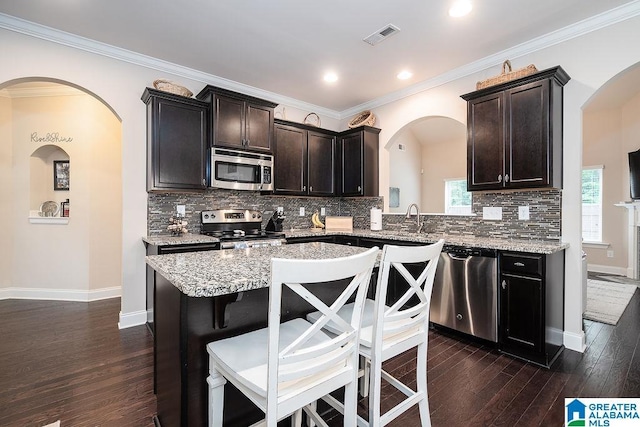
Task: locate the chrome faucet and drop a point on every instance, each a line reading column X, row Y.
column 418, row 222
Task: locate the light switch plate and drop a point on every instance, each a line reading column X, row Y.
column 181, row 210
column 523, row 213
column 301, row 211
column 492, row 213
column 323, row 211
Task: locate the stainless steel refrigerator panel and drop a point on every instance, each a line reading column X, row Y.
column 464, row 295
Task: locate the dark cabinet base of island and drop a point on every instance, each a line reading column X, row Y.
column 184, row 325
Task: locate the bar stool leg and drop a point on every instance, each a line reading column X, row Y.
column 216, row 396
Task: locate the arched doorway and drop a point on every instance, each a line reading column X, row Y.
column 611, row 125
column 47, row 122
column 423, row 156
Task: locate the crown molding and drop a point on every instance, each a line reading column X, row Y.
column 32, row 29
column 610, row 17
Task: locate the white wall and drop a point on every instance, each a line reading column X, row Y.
column 406, row 165
column 6, row 236
column 441, row 160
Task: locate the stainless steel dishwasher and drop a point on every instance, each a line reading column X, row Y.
column 465, row 291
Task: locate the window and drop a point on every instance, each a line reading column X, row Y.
column 457, row 199
column 592, row 204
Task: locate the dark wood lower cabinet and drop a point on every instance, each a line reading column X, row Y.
column 531, row 301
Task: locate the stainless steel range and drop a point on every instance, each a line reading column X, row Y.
column 238, row 229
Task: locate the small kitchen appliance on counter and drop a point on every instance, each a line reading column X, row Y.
column 275, row 222
column 238, row 229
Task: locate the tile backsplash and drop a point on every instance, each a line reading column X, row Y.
column 161, row 206
column 544, row 221
column 544, row 210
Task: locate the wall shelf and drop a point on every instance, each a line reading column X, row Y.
column 48, row 220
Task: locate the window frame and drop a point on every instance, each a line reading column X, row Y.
column 447, row 198
column 600, row 169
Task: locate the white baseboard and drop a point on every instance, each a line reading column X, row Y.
column 60, row 294
column 620, row 271
column 136, row 318
column 575, row 342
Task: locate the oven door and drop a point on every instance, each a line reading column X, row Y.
column 237, row 170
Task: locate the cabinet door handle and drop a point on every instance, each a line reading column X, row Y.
column 500, row 178
column 506, row 178
column 204, row 181
column 504, row 284
column 311, row 188
column 359, row 188
column 247, row 142
column 304, row 188
column 518, row 264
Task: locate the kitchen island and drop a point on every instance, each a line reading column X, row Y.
column 207, row 296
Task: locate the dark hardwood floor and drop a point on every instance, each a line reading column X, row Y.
column 69, row 361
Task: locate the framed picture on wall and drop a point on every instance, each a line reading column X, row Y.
column 61, row 175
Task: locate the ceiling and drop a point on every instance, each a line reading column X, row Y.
column 285, row 46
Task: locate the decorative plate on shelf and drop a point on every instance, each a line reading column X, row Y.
column 49, row 208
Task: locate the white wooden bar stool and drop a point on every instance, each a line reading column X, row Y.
column 389, row 331
column 287, row 366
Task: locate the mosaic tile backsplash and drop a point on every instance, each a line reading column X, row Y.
column 162, row 205
column 544, row 210
column 544, row 213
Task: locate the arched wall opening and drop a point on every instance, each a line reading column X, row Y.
column 43, row 122
column 611, row 129
column 423, row 155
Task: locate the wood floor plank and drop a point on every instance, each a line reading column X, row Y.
column 83, row 370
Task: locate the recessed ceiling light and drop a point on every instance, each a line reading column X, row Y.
column 460, row 8
column 330, row 77
column 404, row 75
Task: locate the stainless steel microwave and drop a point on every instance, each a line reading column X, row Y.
column 241, row 170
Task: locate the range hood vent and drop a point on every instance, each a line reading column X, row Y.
column 381, row 34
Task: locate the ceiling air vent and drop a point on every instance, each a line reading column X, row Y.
column 381, row 34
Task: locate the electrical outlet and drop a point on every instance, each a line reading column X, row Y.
column 181, row 210
column 523, row 213
column 609, row 254
column 280, row 209
column 301, row 211
column 492, row 213
column 323, row 211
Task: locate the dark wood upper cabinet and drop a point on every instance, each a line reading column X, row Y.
column 304, row 160
column 358, row 162
column 177, row 141
column 321, row 150
column 514, row 133
column 239, row 121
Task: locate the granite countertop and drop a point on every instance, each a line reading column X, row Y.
column 519, row 245
column 212, row 273
column 185, row 239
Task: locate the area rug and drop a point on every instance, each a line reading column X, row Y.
column 606, row 301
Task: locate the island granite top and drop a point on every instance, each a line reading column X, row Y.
column 213, row 273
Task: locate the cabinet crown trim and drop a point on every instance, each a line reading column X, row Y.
column 557, row 73
column 231, row 94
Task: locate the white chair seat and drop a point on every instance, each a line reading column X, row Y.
column 366, row 330
column 246, row 355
